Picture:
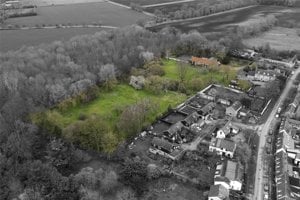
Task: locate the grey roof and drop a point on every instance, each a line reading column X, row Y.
column 161, row 143
column 236, row 105
column 218, row 191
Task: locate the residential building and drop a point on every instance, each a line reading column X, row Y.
column 164, row 148
column 264, row 75
column 227, row 129
column 218, row 192
column 204, row 62
column 234, row 109
column 222, row 147
column 230, row 174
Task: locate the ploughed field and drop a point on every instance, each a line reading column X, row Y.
column 88, row 13
column 15, row 39
column 222, row 22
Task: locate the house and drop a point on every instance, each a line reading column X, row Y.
column 243, row 112
column 222, row 147
column 265, row 75
column 191, row 119
column 233, row 109
column 224, row 101
column 166, row 149
column 205, row 110
column 227, row 129
column 204, row 62
column 218, row 192
column 230, row 175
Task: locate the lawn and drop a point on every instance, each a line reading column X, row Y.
column 143, row 2
column 108, row 104
column 217, row 75
column 279, row 38
column 87, row 13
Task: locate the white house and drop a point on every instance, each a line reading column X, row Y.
column 265, row 75
column 223, row 147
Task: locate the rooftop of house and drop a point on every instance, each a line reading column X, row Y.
column 236, row 105
column 218, row 191
column 204, row 61
column 187, row 109
column 222, row 179
column 266, row 72
column 173, row 117
column 234, row 171
column 162, row 144
column 227, row 144
column 208, row 107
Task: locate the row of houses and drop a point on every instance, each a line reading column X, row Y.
column 293, row 110
column 287, row 160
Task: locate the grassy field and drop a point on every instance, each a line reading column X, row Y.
column 123, row 95
column 222, row 22
column 279, row 38
column 88, row 13
column 57, row 2
column 218, row 75
column 15, row 39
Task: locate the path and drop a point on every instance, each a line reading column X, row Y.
column 124, row 6
column 202, row 17
column 167, row 3
column 263, row 133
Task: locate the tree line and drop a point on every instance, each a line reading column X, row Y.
column 200, row 9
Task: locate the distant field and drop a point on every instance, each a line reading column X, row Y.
column 15, row 39
column 58, row 2
column 88, row 13
column 143, row 2
column 222, row 22
column 279, row 38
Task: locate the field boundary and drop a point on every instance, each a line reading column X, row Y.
column 151, row 25
column 58, row 27
column 167, row 3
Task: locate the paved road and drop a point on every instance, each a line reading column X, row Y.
column 258, row 192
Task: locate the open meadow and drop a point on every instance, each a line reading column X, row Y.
column 282, row 39
column 144, row 2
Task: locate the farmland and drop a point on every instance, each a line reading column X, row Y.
column 106, row 13
column 143, row 2
column 222, row 22
column 15, row 39
column 279, row 38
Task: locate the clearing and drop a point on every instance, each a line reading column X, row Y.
column 279, row 38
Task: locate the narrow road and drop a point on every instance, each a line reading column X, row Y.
column 167, row 3
column 258, row 191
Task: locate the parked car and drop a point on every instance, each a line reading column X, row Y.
column 266, row 187
column 269, row 140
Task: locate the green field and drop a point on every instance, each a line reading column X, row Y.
column 123, row 95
